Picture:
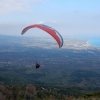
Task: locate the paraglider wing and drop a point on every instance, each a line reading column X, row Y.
column 47, row 29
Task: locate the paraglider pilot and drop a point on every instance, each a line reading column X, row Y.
column 37, row 65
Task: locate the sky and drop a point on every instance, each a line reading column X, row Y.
column 68, row 17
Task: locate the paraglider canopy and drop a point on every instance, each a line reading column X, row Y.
column 47, row 29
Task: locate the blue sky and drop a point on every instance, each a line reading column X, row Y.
column 68, row 17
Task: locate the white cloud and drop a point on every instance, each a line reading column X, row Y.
column 7, row 6
column 41, row 22
column 54, row 21
column 45, row 22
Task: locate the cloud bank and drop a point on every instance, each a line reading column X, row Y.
column 7, row 6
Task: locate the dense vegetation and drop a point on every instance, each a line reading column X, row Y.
column 31, row 92
column 81, row 69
